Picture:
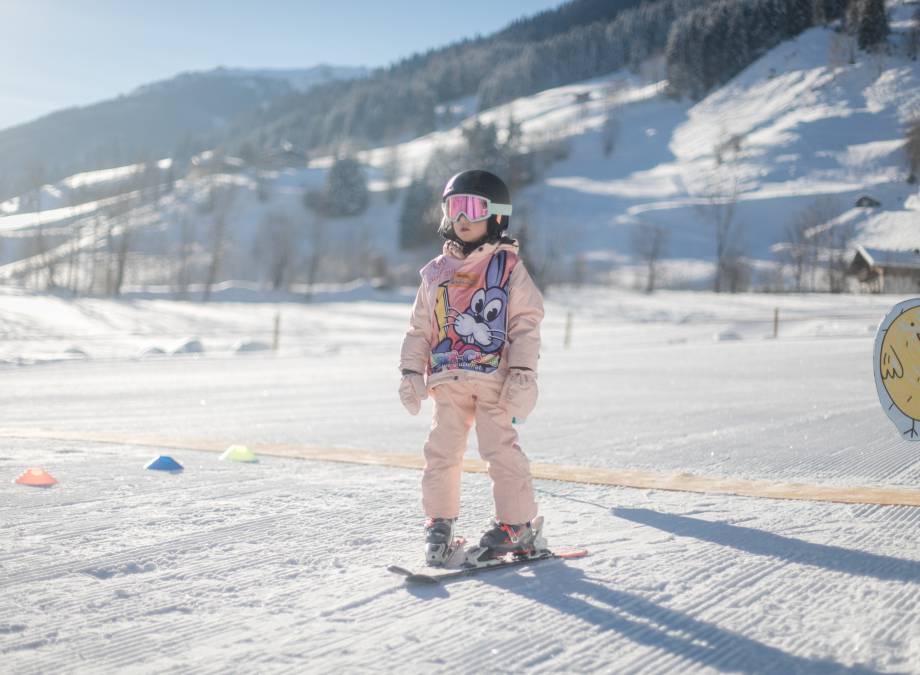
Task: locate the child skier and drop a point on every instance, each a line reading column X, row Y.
column 475, row 334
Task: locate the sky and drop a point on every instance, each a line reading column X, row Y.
column 61, row 53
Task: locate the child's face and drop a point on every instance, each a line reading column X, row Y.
column 468, row 231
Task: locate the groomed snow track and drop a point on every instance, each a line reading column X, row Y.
column 631, row 478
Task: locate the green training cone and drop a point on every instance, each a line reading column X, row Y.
column 239, row 453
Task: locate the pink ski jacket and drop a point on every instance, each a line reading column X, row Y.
column 474, row 316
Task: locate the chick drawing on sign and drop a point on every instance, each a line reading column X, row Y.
column 897, row 366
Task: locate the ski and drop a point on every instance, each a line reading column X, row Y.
column 469, row 569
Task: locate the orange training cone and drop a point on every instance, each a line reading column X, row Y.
column 36, row 478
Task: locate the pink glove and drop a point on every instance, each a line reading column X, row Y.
column 411, row 392
column 519, row 393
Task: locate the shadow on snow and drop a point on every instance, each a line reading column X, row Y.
column 760, row 542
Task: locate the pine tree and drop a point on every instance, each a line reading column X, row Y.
column 346, row 188
column 912, row 149
column 798, row 16
column 873, row 24
column 415, row 226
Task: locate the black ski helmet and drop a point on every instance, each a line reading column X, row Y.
column 484, row 184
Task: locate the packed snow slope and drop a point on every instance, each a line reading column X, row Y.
column 280, row 566
column 805, row 124
column 800, row 124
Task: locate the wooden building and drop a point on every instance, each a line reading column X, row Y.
column 885, row 271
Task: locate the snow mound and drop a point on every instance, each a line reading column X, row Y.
column 245, row 346
column 190, row 346
column 151, row 352
column 727, row 336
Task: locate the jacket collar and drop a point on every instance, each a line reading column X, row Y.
column 453, row 250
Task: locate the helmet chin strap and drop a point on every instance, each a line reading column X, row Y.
column 470, row 246
column 492, row 235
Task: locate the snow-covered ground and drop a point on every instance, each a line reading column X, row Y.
column 280, row 566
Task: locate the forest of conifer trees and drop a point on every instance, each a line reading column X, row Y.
column 705, row 42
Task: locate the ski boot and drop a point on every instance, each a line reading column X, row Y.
column 500, row 539
column 440, row 543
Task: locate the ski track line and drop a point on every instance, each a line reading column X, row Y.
column 166, row 580
column 632, row 478
column 880, row 468
column 136, row 492
column 71, row 567
column 132, row 647
column 572, row 630
column 193, row 601
column 748, row 579
column 624, row 627
column 105, row 590
column 135, row 495
column 104, row 524
column 182, row 580
column 385, row 617
column 132, row 636
column 373, row 612
column 737, row 616
column 692, row 613
column 132, row 499
column 514, row 611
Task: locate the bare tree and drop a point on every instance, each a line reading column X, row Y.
column 121, row 254
column 611, row 128
column 44, row 269
column 813, row 239
column 223, row 199
column 736, row 271
column 183, row 258
column 538, row 265
column 798, row 252
column 649, row 243
column 841, row 50
column 123, row 213
column 75, row 248
column 118, row 244
column 912, row 148
column 277, row 246
column 263, row 187
column 379, row 270
column 838, row 240
column 720, row 199
column 94, row 253
column 317, row 241
column 912, row 38
column 609, row 133
column 358, row 253
column 390, row 172
column 110, row 227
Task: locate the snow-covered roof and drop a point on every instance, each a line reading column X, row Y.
column 903, row 259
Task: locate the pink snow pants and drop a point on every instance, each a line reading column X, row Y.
column 457, row 405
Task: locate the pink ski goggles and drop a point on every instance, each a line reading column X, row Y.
column 473, row 207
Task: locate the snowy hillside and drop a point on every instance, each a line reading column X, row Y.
column 800, row 125
column 171, row 118
column 805, row 127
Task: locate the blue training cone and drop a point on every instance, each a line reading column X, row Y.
column 164, row 463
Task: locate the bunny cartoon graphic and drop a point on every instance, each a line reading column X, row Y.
column 475, row 336
column 473, row 345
